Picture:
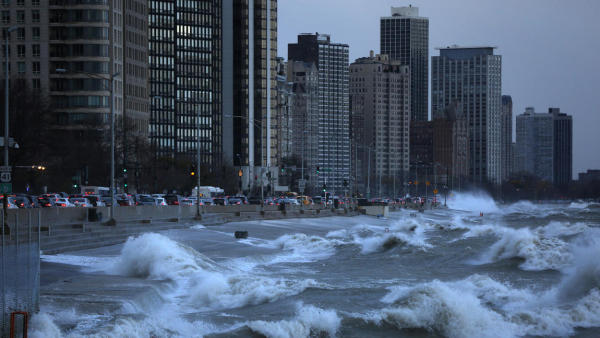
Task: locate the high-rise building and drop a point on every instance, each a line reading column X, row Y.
column 380, row 113
column 331, row 60
column 305, row 127
column 186, row 80
column 472, row 76
column 254, row 81
column 506, row 137
column 404, row 36
column 70, row 49
column 563, row 147
column 282, row 122
column 535, row 144
column 450, row 147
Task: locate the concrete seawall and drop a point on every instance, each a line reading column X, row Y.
column 70, row 229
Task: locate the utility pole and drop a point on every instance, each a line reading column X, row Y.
column 198, row 164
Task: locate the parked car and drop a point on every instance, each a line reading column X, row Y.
column 125, row 200
column 80, row 202
column 254, row 200
column 64, row 203
column 96, row 200
column 207, row 201
column 186, row 202
column 160, row 201
column 144, row 200
column 220, row 201
column 108, row 201
column 45, row 202
column 234, row 200
column 172, row 199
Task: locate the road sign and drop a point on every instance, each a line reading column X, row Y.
column 5, row 177
column 5, row 168
column 301, row 185
column 5, row 188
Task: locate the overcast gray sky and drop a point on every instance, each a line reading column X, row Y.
column 550, row 49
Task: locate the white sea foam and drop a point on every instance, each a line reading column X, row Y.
column 440, row 307
column 198, row 227
column 540, row 253
column 472, row 202
column 479, row 306
column 205, row 283
column 42, row 326
column 309, row 321
column 156, row 256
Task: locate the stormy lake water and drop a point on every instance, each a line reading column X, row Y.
column 521, row 269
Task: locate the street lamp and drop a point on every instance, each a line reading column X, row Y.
column 6, row 94
column 112, row 132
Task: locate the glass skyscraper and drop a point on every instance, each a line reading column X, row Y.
column 185, row 79
column 472, row 77
column 405, row 37
column 331, row 60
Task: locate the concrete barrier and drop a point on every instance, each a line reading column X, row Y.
column 375, row 210
column 67, row 218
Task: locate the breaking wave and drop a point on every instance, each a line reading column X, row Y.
column 542, row 248
column 197, row 278
column 309, row 321
column 472, row 202
column 479, row 306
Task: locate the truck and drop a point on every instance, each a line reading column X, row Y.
column 207, row 191
column 95, row 190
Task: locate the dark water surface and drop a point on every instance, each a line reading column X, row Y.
column 519, row 270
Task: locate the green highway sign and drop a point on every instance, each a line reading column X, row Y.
column 5, row 188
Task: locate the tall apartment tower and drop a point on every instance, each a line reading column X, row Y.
column 305, row 127
column 563, row 147
column 535, row 144
column 380, row 110
column 472, row 76
column 86, row 43
column 254, row 81
column 404, row 36
column 331, row 60
column 506, row 136
column 185, row 80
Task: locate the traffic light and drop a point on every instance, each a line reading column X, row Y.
column 318, row 170
column 324, row 187
column 345, row 183
column 192, row 170
column 125, row 170
column 282, row 169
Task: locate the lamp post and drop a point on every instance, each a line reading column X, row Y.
column 112, row 131
column 6, row 94
column 198, row 163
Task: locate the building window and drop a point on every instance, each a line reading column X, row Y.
column 20, row 2
column 36, row 84
column 35, row 67
column 20, row 16
column 35, row 3
column 5, row 17
column 35, row 50
column 21, row 51
column 21, row 34
column 35, row 33
column 35, row 15
column 21, row 68
column 5, row 3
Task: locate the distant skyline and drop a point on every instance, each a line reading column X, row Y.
column 549, row 48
